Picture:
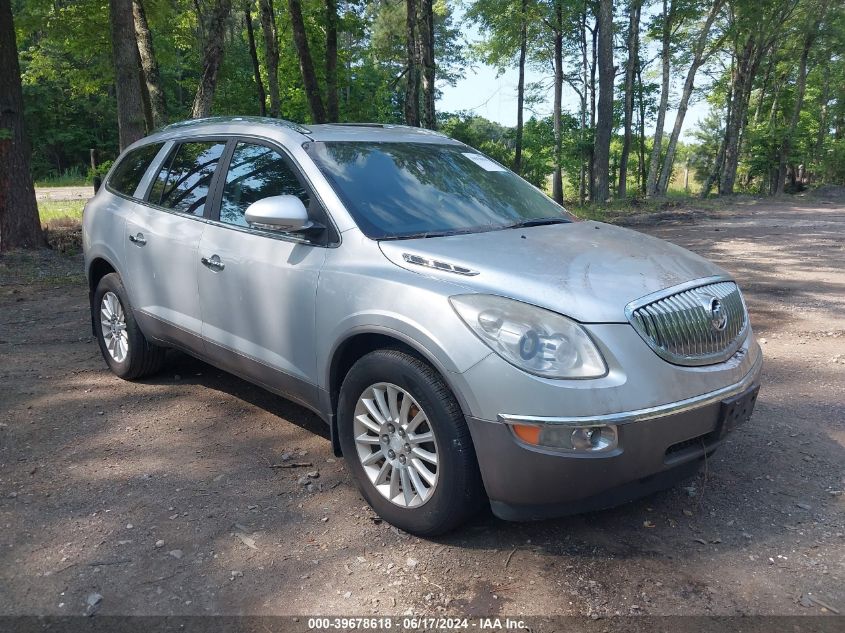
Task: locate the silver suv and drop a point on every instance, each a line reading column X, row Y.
column 464, row 338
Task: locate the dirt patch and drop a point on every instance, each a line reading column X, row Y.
column 159, row 495
column 64, row 193
column 833, row 193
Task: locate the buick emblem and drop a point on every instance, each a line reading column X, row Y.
column 718, row 315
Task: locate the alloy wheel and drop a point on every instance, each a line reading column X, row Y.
column 113, row 325
column 396, row 444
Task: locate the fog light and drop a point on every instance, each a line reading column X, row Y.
column 588, row 439
column 585, row 438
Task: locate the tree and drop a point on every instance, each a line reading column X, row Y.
column 813, row 22
column 755, row 28
column 700, row 52
column 666, row 26
column 412, row 73
column 151, row 83
column 212, row 58
column 557, row 31
column 520, row 86
column 604, row 124
column 331, row 61
column 633, row 41
column 505, row 25
column 271, row 53
column 306, row 63
column 19, row 223
column 127, row 73
column 253, row 55
column 425, row 34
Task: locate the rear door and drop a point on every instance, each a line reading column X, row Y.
column 258, row 288
column 163, row 240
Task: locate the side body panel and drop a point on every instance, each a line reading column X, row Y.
column 259, row 310
column 361, row 292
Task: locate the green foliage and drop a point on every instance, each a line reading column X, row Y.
column 69, row 94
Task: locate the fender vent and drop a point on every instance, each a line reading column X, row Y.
column 419, row 260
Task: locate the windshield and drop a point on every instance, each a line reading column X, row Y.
column 402, row 190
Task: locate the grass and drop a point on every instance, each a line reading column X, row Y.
column 60, row 212
column 73, row 177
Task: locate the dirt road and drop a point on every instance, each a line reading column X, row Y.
column 160, row 495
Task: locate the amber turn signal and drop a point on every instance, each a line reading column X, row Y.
column 527, row 433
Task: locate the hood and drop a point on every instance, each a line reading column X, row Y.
column 588, row 271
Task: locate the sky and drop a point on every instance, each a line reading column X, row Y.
column 483, row 93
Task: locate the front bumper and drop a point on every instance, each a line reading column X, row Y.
column 657, row 447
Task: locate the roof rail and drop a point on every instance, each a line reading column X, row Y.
column 231, row 119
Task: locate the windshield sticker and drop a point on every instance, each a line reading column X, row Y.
column 483, row 162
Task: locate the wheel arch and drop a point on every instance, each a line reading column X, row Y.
column 359, row 343
column 97, row 269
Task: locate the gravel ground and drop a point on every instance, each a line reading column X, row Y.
column 161, row 496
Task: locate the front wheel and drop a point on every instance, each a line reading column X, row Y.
column 407, row 444
column 125, row 349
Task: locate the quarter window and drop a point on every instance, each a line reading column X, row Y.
column 184, row 180
column 129, row 171
column 256, row 172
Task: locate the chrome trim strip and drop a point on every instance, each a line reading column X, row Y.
column 639, row 415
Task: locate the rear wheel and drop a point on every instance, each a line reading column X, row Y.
column 407, row 444
column 124, row 347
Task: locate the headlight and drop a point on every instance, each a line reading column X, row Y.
column 535, row 340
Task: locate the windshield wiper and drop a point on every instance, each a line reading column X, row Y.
column 537, row 222
column 425, row 234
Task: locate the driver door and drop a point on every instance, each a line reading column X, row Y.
column 258, row 288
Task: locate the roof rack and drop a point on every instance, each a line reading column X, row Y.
column 296, row 127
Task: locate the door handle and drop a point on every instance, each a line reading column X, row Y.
column 138, row 239
column 213, row 262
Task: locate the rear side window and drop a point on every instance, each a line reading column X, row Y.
column 256, row 172
column 131, row 169
column 185, row 178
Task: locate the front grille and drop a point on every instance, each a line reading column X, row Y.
column 683, row 326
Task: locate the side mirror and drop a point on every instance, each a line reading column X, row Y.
column 279, row 213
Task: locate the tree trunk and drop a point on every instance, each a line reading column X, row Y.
column 641, row 171
column 604, row 125
column 591, row 162
column 253, row 55
column 127, row 73
column 267, row 16
column 426, row 35
column 666, row 59
column 212, row 58
column 520, row 87
column 412, row 73
column 20, row 226
column 332, row 113
column 762, row 36
column 718, row 164
column 149, row 65
column 824, row 100
column 740, row 88
column 582, row 138
column 698, row 58
column 306, row 64
column 786, row 146
column 557, row 176
column 628, row 113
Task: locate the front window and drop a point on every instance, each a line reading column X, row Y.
column 256, row 172
column 404, row 190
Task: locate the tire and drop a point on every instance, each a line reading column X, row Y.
column 133, row 356
column 456, row 493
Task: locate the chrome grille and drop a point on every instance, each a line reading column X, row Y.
column 682, row 324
